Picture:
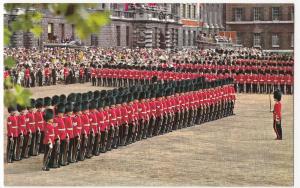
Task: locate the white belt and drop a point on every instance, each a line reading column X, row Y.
column 14, row 127
column 32, row 123
column 9, row 123
column 70, row 129
column 119, row 117
column 41, row 122
column 101, row 121
column 79, row 127
column 61, row 129
column 23, row 125
column 52, row 135
column 86, row 125
column 94, row 123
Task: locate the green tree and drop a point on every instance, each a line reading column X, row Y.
column 83, row 16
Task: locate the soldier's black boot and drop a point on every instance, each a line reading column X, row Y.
column 116, row 138
column 104, row 142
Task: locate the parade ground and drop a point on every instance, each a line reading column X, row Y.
column 239, row 150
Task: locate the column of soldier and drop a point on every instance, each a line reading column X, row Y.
column 72, row 128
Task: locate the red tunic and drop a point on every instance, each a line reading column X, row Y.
column 93, row 122
column 12, row 126
column 85, row 123
column 68, row 120
column 60, row 128
column 101, row 120
column 49, row 133
column 39, row 120
column 77, row 125
column 277, row 111
column 66, row 71
column 30, row 126
column 22, row 124
column 27, row 73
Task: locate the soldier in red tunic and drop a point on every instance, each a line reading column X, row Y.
column 93, row 75
column 66, row 73
column 27, row 76
column 48, row 139
column 23, row 134
column 277, row 115
column 39, row 124
column 81, row 74
column 30, row 126
column 85, row 129
column 12, row 133
column 47, row 74
column 93, row 127
column 68, row 120
column 61, row 134
column 77, row 130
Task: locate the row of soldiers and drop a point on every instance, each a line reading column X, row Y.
column 82, row 125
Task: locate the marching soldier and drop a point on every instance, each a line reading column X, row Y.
column 39, row 124
column 21, row 131
column 66, row 73
column 30, row 126
column 85, row 130
column 77, row 129
column 123, row 132
column 49, row 138
column 277, row 114
column 47, row 75
column 93, row 127
column 12, row 133
column 40, row 77
column 81, row 74
column 68, row 120
column 61, row 136
column 93, row 75
column 27, row 76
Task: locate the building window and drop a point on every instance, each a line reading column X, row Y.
column 238, row 14
column 155, row 37
column 177, row 37
column 195, row 10
column 189, row 11
column 103, row 5
column 275, row 13
column 183, row 38
column 238, row 38
column 62, row 29
column 118, row 36
column 256, row 40
column 200, row 12
column 256, row 14
column 292, row 13
column 189, row 38
column 50, row 31
column 183, row 10
column 194, row 38
column 127, row 35
column 275, row 40
column 292, row 40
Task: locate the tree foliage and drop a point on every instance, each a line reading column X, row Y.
column 85, row 19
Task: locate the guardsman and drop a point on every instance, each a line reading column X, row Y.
column 49, row 138
column 159, row 114
column 61, row 134
column 136, row 116
column 39, row 124
column 124, row 127
column 47, row 75
column 101, row 128
column 131, row 120
column 30, row 126
column 68, row 120
column 118, row 124
column 21, row 131
column 12, row 133
column 54, row 76
column 112, row 122
column 142, row 109
column 152, row 121
column 27, row 76
column 81, row 74
column 98, row 73
column 277, row 114
column 66, row 73
column 105, row 127
column 77, row 129
column 85, row 129
column 93, row 127
column 93, row 75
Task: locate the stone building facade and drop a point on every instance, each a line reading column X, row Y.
column 212, row 17
column 266, row 26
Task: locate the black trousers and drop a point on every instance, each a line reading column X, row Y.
column 278, row 129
